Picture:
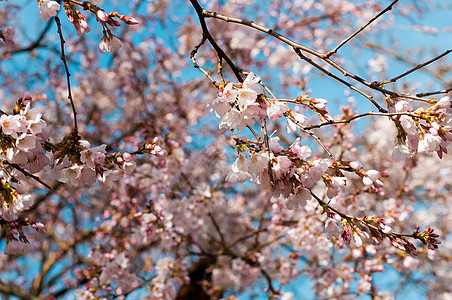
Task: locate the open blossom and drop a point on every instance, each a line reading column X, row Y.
column 26, row 142
column 252, row 83
column 408, row 125
column 239, row 170
column 94, row 156
column 71, row 174
column 401, row 152
column 282, row 166
column 302, row 152
column 12, row 125
column 221, row 104
column 109, row 44
column 246, row 97
column 128, row 167
column 236, row 119
column 274, row 145
column 276, row 110
column 48, row 9
column 335, row 186
column 107, row 178
column 371, row 177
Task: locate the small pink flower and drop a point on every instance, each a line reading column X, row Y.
column 276, row 110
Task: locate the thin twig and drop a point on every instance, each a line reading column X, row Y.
column 68, row 75
column 217, row 227
column 371, row 113
column 350, row 86
column 434, row 93
column 195, row 64
column 419, row 66
column 327, row 55
column 404, row 59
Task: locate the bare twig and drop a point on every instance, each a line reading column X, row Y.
column 434, row 93
column 68, row 75
column 329, row 53
column 419, row 66
column 195, row 64
column 404, row 59
column 350, row 86
column 371, row 113
column 217, row 227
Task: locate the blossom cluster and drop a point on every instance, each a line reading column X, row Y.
column 26, row 151
column 288, row 172
column 109, row 42
column 20, row 151
column 170, row 272
column 367, row 228
column 424, row 130
column 292, row 173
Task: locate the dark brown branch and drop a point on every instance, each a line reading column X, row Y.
column 220, row 52
column 10, row 289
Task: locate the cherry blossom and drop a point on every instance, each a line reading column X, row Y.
column 48, row 9
column 109, row 43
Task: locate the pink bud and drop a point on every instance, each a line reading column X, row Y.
column 102, row 15
column 8, row 32
column 130, row 21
